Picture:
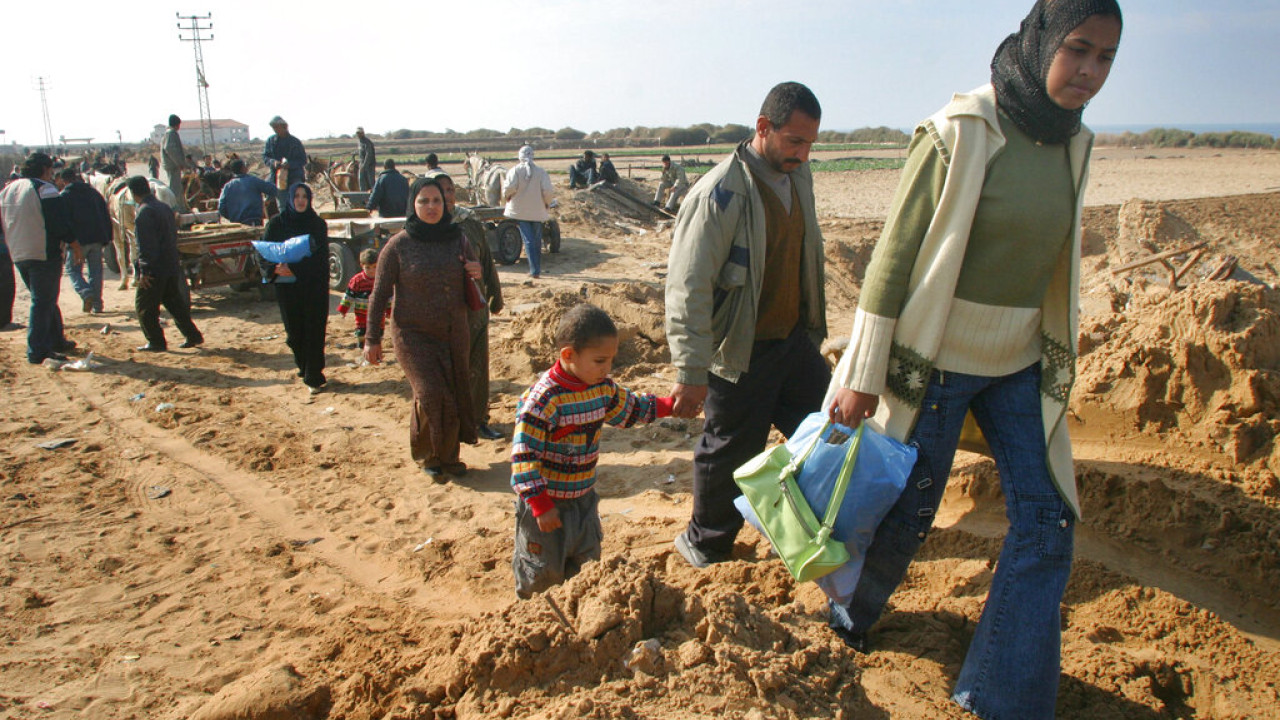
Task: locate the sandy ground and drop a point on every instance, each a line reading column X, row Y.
column 211, row 542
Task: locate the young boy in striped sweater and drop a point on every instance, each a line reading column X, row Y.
column 556, row 447
column 356, row 299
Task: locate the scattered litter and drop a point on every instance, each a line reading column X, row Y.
column 352, row 365
column 645, row 656
column 56, row 443
column 304, row 543
column 423, row 544
column 327, row 411
column 52, row 364
column 624, row 511
column 131, row 657
column 85, row 363
column 268, row 337
column 106, row 329
column 165, row 407
column 634, row 229
column 158, row 491
column 670, row 479
column 137, row 397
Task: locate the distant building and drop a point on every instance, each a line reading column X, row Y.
column 224, row 132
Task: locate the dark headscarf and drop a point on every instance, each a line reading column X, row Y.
column 1021, row 65
column 291, row 213
column 419, row 230
column 290, row 224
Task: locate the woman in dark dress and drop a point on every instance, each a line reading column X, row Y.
column 302, row 288
column 423, row 268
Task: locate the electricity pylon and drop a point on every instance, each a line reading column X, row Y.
column 202, row 84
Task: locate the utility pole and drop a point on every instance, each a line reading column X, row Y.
column 202, row 85
column 44, row 107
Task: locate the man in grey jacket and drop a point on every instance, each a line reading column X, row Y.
column 746, row 311
column 174, row 159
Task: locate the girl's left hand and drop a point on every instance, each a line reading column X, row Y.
column 472, row 268
column 282, row 270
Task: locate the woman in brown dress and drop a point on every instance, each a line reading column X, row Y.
column 423, row 268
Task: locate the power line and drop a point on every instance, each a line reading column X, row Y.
column 202, row 84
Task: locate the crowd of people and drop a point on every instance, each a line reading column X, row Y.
column 969, row 307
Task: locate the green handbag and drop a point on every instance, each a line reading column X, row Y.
column 768, row 481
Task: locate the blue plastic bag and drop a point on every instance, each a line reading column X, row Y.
column 879, row 476
column 289, row 251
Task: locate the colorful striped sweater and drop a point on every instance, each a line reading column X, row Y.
column 557, row 434
column 356, row 298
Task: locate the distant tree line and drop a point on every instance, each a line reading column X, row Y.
column 1174, row 138
column 700, row 134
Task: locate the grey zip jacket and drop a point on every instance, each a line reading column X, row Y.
column 716, row 269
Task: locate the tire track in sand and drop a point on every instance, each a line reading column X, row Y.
column 254, row 499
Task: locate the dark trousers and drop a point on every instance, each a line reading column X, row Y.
column 304, row 309
column 8, row 289
column 167, row 291
column 786, row 381
column 43, row 279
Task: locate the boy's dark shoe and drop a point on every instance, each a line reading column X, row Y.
column 456, row 469
column 489, row 433
column 434, row 472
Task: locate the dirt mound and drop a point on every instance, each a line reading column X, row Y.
column 734, row 637
column 1204, row 362
column 849, row 244
column 612, row 212
column 1244, row 227
column 528, row 347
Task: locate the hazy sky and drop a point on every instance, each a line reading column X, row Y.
column 593, row 64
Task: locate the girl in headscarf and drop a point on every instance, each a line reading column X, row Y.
column 302, row 288
column 423, row 267
column 969, row 307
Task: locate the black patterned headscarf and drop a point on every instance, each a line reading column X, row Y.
column 1021, row 65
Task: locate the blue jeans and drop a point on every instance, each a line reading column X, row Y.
column 92, row 289
column 1013, row 663
column 531, row 233
column 43, row 279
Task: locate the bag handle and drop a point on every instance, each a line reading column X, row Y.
column 842, row 480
